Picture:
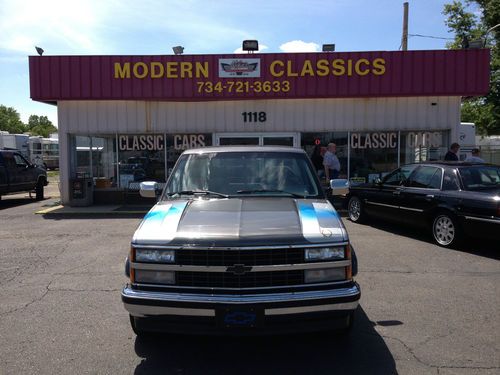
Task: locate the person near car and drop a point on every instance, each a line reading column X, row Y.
column 331, row 162
column 475, row 157
column 452, row 154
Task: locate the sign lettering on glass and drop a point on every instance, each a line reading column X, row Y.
column 424, row 139
column 186, row 141
column 374, row 140
column 141, row 142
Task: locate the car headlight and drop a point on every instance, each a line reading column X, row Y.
column 154, row 256
column 325, row 253
column 154, row 277
column 326, row 274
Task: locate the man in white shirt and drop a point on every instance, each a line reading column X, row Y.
column 331, row 162
column 475, row 157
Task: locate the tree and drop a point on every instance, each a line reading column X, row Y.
column 40, row 125
column 483, row 111
column 10, row 120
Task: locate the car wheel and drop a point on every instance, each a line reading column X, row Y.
column 39, row 190
column 445, row 230
column 355, row 209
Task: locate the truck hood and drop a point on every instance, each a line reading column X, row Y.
column 248, row 221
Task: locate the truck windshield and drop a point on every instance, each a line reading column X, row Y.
column 244, row 174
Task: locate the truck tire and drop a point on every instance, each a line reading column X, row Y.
column 39, row 190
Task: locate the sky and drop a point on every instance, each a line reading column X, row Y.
column 153, row 27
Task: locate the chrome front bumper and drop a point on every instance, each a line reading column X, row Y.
column 144, row 303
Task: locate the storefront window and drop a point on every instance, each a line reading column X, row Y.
column 104, row 161
column 177, row 143
column 316, row 143
column 372, row 155
column 141, row 157
column 95, row 157
column 423, row 146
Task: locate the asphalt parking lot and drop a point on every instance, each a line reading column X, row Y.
column 424, row 309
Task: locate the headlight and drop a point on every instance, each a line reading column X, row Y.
column 322, row 275
column 154, row 277
column 325, row 253
column 154, row 256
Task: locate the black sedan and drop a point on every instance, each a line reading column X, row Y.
column 451, row 199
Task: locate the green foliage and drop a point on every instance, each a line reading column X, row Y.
column 10, row 120
column 483, row 111
column 37, row 125
column 40, row 125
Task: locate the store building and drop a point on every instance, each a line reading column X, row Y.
column 124, row 119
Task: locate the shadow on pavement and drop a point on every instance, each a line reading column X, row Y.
column 364, row 351
column 477, row 246
column 15, row 202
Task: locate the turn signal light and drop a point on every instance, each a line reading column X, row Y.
column 132, row 270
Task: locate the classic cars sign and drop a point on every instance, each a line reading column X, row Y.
column 292, row 75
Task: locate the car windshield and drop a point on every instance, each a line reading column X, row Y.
column 243, row 174
column 480, row 177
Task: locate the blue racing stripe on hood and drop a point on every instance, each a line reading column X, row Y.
column 320, row 222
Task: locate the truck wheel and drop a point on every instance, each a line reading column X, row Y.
column 356, row 210
column 445, row 230
column 39, row 190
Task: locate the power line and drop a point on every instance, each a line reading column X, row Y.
column 430, row 36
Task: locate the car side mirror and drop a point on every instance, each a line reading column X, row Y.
column 149, row 189
column 377, row 181
column 339, row 186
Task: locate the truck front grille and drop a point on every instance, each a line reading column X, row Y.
column 248, row 280
column 205, row 257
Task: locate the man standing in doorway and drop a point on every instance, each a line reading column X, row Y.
column 451, row 155
column 331, row 162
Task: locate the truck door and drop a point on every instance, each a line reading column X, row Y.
column 4, row 178
column 25, row 174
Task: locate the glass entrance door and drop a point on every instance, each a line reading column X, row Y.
column 257, row 139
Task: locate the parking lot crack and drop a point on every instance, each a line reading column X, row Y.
column 83, row 290
column 419, row 360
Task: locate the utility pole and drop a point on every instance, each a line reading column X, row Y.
column 404, row 39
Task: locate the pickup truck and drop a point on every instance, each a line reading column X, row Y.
column 17, row 174
column 242, row 240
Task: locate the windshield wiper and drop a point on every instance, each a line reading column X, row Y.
column 295, row 195
column 198, row 192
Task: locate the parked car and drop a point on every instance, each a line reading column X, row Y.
column 242, row 240
column 17, row 174
column 451, row 199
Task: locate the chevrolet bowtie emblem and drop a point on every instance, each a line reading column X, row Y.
column 238, row 269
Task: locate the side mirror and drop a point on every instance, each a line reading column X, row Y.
column 148, row 189
column 339, row 186
column 377, row 181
